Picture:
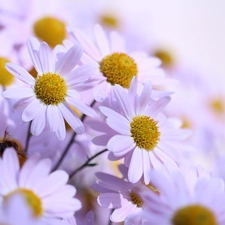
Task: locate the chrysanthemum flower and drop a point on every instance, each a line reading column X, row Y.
column 47, row 98
column 143, row 132
column 180, row 204
column 115, row 65
column 123, row 196
column 47, row 194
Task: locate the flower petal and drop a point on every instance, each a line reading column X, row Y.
column 38, row 122
column 22, row 92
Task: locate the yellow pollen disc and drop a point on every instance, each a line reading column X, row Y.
column 32, row 199
column 50, row 30
column 119, row 68
column 218, row 106
column 194, row 215
column 50, row 88
column 6, row 78
column 109, row 21
column 145, row 132
column 165, row 57
column 136, row 200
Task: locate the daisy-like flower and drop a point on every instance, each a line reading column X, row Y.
column 115, row 65
column 47, row 99
column 47, row 195
column 123, row 196
column 181, row 204
column 143, row 132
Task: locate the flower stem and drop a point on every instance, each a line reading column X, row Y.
column 28, row 138
column 70, row 142
column 87, row 162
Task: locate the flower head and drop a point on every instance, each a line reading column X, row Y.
column 47, row 99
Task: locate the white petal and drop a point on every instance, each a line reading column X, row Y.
column 44, row 54
column 135, row 170
column 120, row 145
column 102, row 40
column 32, row 110
column 146, row 166
column 117, row 42
column 69, row 60
column 61, row 131
column 22, row 92
column 81, row 106
column 20, row 73
column 71, row 118
column 38, row 122
column 52, row 114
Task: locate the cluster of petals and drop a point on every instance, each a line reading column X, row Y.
column 141, row 161
column 77, row 78
column 56, row 197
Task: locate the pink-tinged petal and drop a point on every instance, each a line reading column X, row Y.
column 46, row 187
column 22, row 92
column 26, row 170
column 10, row 167
column 38, row 123
column 110, row 200
column 168, row 134
column 117, row 42
column 20, row 73
column 101, row 140
column 71, row 118
column 135, row 170
column 102, row 41
column 44, row 54
column 146, row 166
column 71, row 58
column 52, row 114
column 73, row 94
column 158, row 106
column 61, row 131
column 32, row 110
column 155, row 160
column 120, row 145
column 122, row 124
column 123, row 100
column 81, row 74
column 119, row 215
column 132, row 91
column 81, row 106
column 87, row 44
column 24, row 102
column 101, row 92
column 33, row 46
column 144, row 98
column 39, row 173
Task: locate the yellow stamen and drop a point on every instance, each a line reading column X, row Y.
column 119, row 68
column 50, row 88
column 145, row 132
column 32, row 199
column 6, row 78
column 165, row 57
column 194, row 215
column 136, row 199
column 109, row 21
column 50, row 30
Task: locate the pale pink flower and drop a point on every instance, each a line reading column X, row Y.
column 115, row 65
column 47, row 194
column 180, row 203
column 143, row 132
column 47, row 99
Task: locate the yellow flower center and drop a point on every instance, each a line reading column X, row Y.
column 165, row 57
column 50, row 30
column 119, row 68
column 218, row 106
column 6, row 78
column 136, row 200
column 194, row 215
column 145, row 132
column 109, row 21
column 50, row 88
column 32, row 199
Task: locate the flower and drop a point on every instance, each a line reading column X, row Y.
column 143, row 132
column 182, row 204
column 115, row 66
column 48, row 97
column 123, row 196
column 47, row 194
